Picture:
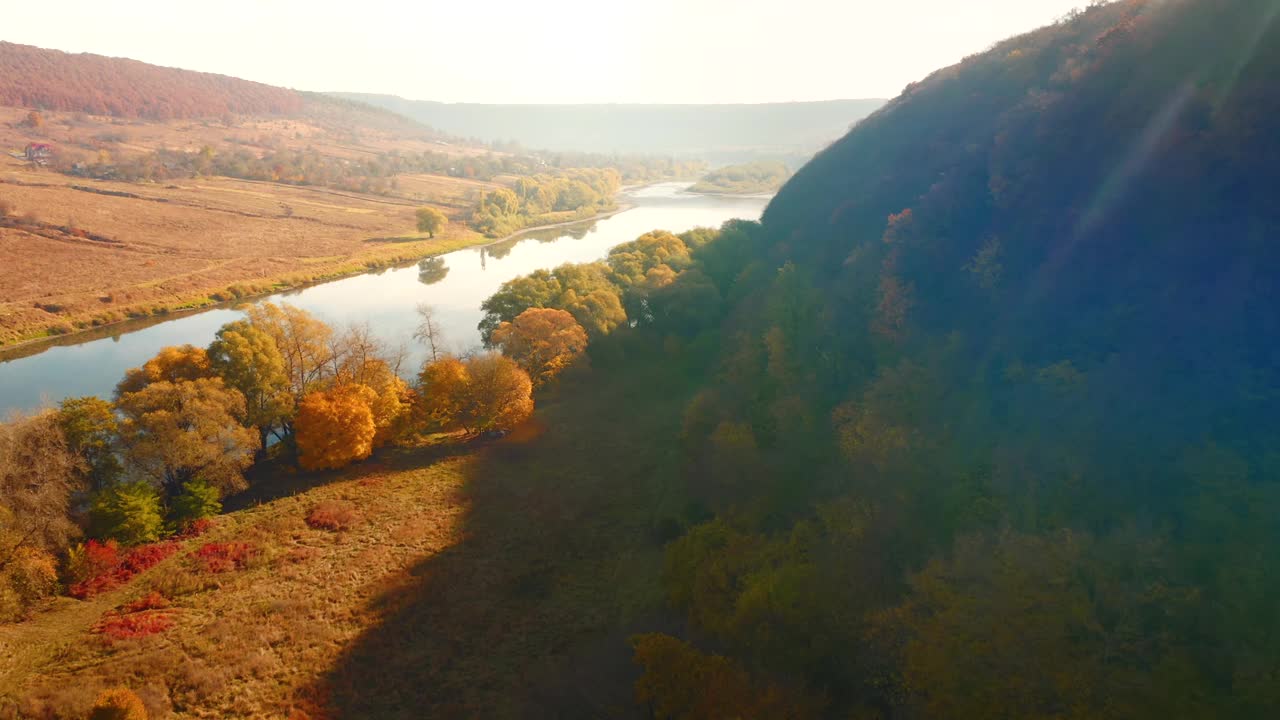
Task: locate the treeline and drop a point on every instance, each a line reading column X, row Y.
column 756, row 177
column 53, row 80
column 652, row 280
column 179, row 434
column 545, row 199
column 376, row 174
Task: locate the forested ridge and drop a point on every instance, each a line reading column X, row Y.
column 97, row 85
column 987, row 425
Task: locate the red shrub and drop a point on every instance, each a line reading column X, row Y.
column 223, row 557
column 96, row 559
column 332, row 515
column 135, row 561
column 134, row 625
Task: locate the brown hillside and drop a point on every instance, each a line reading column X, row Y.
column 53, row 80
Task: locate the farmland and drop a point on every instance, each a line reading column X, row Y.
column 78, row 252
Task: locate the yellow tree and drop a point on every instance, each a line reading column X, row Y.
column 431, row 220
column 441, row 393
column 390, row 401
column 172, row 364
column 303, row 342
column 335, row 427
column 177, row 432
column 487, row 392
column 543, row 341
column 499, row 394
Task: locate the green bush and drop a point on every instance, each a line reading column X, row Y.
column 197, row 500
column 130, row 513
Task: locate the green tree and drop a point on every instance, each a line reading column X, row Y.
column 131, row 513
column 247, row 359
column 92, row 430
column 1050, row 626
column 197, row 500
column 431, row 220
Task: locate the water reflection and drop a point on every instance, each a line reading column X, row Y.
column 432, row 270
column 458, row 283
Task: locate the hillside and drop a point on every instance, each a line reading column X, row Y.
column 96, row 85
column 991, row 423
column 716, row 132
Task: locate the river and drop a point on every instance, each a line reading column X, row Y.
column 455, row 284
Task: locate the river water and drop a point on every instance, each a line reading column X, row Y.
column 455, row 284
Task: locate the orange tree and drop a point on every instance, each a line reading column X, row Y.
column 543, row 341
column 335, row 427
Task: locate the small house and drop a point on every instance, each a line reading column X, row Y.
column 39, row 153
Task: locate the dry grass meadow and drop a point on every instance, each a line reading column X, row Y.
column 462, row 580
column 78, row 253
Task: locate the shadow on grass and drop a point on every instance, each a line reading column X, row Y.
column 278, row 478
column 528, row 616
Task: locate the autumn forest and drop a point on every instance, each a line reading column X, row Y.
column 978, row 420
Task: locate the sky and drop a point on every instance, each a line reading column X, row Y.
column 545, row 51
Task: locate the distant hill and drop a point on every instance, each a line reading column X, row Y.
column 97, row 85
column 714, row 131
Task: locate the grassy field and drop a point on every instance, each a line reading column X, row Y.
column 77, row 253
column 498, row 580
column 72, row 257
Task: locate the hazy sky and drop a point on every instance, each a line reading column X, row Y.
column 552, row 51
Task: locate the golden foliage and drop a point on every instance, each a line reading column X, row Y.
column 28, row 576
column 336, row 427
column 302, row 339
column 172, row 364
column 118, row 704
column 443, row 384
column 174, row 432
column 543, row 341
column 487, row 392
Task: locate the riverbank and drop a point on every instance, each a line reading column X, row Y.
column 412, row 250
column 457, row 286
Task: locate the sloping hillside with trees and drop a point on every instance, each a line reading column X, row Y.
column 993, row 417
column 97, row 85
column 987, row 411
